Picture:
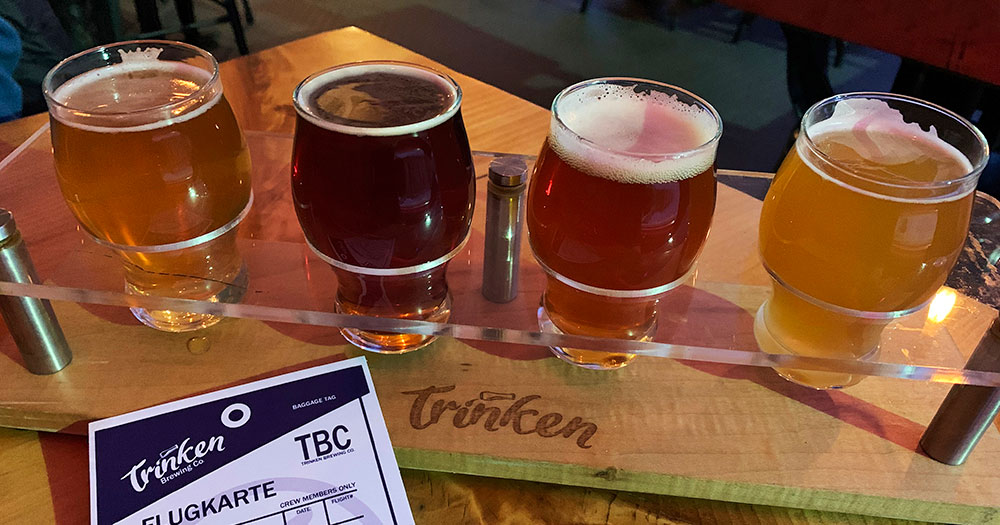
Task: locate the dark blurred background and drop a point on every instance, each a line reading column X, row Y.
column 759, row 74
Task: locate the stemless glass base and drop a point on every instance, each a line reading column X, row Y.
column 171, row 321
column 211, row 271
column 568, row 310
column 770, row 342
column 589, row 359
column 231, row 292
column 420, row 296
column 388, row 342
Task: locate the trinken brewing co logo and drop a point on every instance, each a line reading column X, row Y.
column 183, row 457
column 518, row 416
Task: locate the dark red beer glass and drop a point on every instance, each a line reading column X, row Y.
column 619, row 207
column 384, row 186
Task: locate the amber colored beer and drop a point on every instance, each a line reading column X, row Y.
column 151, row 161
column 619, row 206
column 420, row 296
column 858, row 227
column 156, row 185
column 384, row 186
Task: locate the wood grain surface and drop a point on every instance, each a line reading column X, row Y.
column 44, row 480
column 696, row 430
column 259, row 87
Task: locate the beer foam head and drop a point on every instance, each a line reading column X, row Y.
column 139, row 93
column 377, row 99
column 867, row 146
column 879, row 134
column 633, row 136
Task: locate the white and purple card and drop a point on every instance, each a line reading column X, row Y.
column 306, row 448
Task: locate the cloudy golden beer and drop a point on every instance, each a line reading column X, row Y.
column 861, row 225
column 151, row 161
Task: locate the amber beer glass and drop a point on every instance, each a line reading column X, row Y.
column 152, row 162
column 862, row 223
column 619, row 206
column 384, row 186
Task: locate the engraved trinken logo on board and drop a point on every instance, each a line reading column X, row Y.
column 495, row 411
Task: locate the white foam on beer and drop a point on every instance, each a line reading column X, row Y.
column 637, row 138
column 82, row 88
column 305, row 94
column 878, row 133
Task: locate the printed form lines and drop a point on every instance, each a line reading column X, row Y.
column 283, row 515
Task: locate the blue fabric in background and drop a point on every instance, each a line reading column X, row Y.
column 10, row 54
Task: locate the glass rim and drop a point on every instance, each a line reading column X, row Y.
column 974, row 172
column 381, row 130
column 48, row 92
column 710, row 143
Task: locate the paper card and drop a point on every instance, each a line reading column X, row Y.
column 304, row 448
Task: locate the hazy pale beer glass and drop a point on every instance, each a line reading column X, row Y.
column 862, row 223
column 619, row 206
column 152, row 162
column 384, row 186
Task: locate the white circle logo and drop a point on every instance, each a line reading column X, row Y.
column 235, row 415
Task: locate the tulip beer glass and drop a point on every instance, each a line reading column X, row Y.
column 619, row 206
column 384, row 186
column 151, row 161
column 862, row 223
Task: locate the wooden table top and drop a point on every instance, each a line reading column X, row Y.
column 44, row 478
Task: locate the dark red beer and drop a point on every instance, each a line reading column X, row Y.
column 384, row 186
column 619, row 207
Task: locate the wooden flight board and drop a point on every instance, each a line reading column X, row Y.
column 658, row 426
column 661, row 426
